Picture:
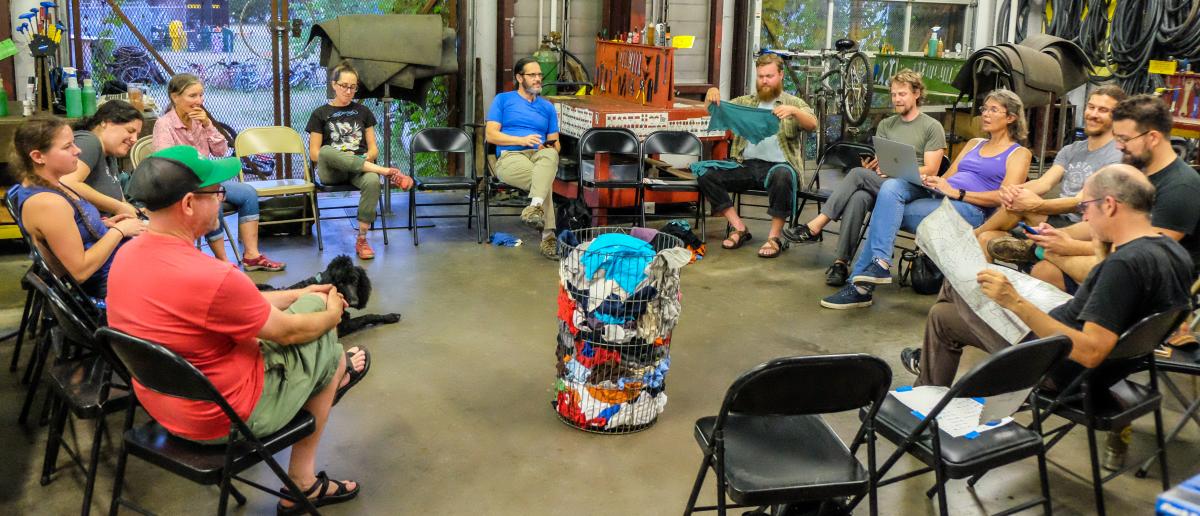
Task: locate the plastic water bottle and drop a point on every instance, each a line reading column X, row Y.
column 74, row 99
column 89, row 98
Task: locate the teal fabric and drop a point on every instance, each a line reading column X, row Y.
column 703, row 167
column 792, row 176
column 751, row 123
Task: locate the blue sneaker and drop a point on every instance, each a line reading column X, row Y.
column 875, row 274
column 847, row 297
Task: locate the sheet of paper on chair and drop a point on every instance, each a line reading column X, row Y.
column 961, row 417
column 949, row 241
column 656, row 181
column 1001, row 406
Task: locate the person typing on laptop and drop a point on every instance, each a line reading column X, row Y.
column 854, row 195
column 972, row 184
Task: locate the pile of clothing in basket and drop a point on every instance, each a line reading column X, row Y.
column 618, row 302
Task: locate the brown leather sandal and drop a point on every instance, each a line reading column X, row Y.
column 773, row 243
column 743, row 236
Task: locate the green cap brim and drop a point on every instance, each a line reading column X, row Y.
column 209, row 171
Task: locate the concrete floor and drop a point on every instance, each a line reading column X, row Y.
column 455, row 417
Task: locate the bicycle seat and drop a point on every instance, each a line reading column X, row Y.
column 844, row 45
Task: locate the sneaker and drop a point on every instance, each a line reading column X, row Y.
column 847, row 297
column 363, row 249
column 534, row 216
column 910, row 358
column 549, row 247
column 801, row 234
column 1012, row 250
column 875, row 274
column 262, row 263
column 836, row 274
column 1115, row 448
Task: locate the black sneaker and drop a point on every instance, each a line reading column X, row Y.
column 800, row 234
column 910, row 358
column 836, row 274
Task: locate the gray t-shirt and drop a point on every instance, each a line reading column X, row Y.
column 1078, row 163
column 767, row 149
column 924, row 133
column 104, row 173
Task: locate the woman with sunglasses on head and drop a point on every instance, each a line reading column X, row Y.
column 186, row 122
column 341, row 139
column 57, row 218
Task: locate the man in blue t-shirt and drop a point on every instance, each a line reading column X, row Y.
column 524, row 128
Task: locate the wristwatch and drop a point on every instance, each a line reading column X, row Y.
column 961, row 194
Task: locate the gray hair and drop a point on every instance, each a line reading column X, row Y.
column 1124, row 183
column 1018, row 129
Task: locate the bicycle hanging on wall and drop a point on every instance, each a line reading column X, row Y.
column 846, row 82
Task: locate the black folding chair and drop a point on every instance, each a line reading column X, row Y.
column 492, row 189
column 681, row 143
column 769, row 445
column 1084, row 403
column 82, row 387
column 447, row 140
column 1013, row 369
column 160, row 370
column 33, row 304
column 621, row 145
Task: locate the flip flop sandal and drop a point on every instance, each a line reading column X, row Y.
column 743, row 236
column 355, row 376
column 325, row 496
column 779, row 247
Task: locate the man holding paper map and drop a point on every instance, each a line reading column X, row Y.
column 1146, row 273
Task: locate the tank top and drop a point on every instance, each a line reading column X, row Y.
column 85, row 215
column 979, row 174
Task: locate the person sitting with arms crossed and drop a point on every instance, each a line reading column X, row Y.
column 186, row 122
column 972, row 183
column 772, row 156
column 54, row 215
column 270, row 354
column 523, row 126
column 854, row 196
column 1073, row 164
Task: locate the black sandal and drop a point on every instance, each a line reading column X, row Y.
column 743, row 236
column 324, row 495
column 355, row 376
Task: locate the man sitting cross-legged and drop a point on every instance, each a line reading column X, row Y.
column 1073, row 165
column 270, row 354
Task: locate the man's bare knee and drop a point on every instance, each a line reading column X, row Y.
column 1049, row 273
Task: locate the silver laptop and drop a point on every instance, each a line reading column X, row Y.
column 899, row 160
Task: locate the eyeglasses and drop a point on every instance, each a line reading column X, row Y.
column 347, row 87
column 1123, row 140
column 1082, row 206
column 993, row 111
column 219, row 192
column 534, row 75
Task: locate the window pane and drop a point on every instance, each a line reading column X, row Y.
column 869, row 22
column 793, row 24
column 950, row 17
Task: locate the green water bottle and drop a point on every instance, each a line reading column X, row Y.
column 74, row 99
column 3, row 99
column 89, row 98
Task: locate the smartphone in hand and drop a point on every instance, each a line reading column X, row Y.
column 1027, row 229
column 549, row 143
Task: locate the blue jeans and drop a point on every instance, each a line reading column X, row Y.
column 243, row 197
column 901, row 204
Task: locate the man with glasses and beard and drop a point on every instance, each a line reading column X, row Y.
column 757, row 161
column 1141, row 129
column 854, row 196
column 524, row 128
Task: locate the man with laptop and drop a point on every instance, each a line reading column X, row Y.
column 854, row 196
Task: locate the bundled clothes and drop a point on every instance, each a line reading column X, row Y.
column 617, row 304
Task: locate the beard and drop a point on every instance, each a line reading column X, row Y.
column 531, row 88
column 1138, row 161
column 1096, row 132
column 766, row 93
column 904, row 110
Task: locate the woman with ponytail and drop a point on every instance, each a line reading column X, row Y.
column 55, row 216
column 103, row 139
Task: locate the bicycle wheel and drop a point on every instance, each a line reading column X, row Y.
column 857, row 89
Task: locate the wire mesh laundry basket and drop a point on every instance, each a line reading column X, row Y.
column 618, row 301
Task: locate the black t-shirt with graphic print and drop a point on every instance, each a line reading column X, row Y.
column 342, row 127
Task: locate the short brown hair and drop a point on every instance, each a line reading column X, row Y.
column 1110, row 90
column 1147, row 111
column 342, row 67
column 913, row 80
column 767, row 59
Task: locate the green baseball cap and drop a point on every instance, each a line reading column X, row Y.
column 169, row 174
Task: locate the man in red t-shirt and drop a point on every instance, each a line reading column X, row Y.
column 270, row 354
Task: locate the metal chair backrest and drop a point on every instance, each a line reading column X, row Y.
column 817, row 384
column 141, row 150
column 615, row 140
column 271, row 140
column 162, row 370
column 440, row 139
column 1011, row 369
column 1143, row 337
column 844, row 155
column 673, row 142
column 77, row 329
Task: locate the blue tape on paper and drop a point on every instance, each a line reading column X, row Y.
column 993, row 422
column 980, row 400
column 971, row 435
column 905, row 388
column 918, row 414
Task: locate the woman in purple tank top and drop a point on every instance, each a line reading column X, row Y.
column 972, row 184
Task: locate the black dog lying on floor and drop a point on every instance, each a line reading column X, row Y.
column 352, row 283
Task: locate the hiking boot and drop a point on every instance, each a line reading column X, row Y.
column 875, row 274
column 910, row 358
column 363, row 249
column 1115, row 448
column 836, row 274
column 1012, row 250
column 549, row 247
column 848, row 297
column 262, row 263
column 534, row 216
column 801, row 234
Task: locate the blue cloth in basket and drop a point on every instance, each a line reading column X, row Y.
column 624, row 259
